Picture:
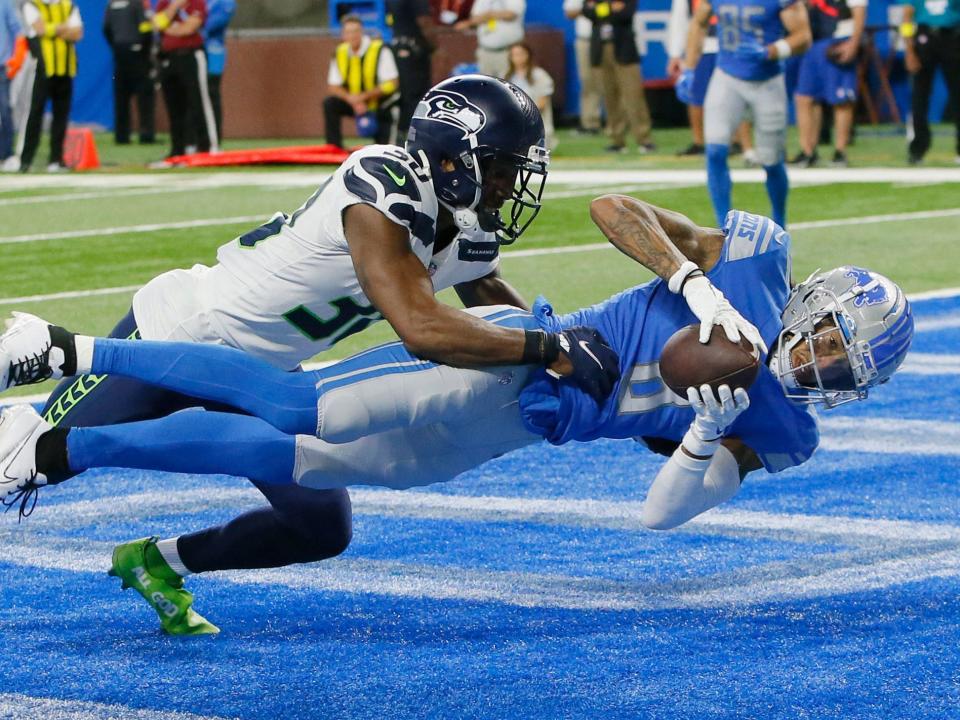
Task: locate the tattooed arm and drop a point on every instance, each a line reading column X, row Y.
column 658, row 239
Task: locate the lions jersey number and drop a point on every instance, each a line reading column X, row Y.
column 740, row 26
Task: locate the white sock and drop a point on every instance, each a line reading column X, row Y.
column 84, row 347
column 168, row 549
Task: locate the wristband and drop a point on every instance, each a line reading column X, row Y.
column 698, row 447
column 907, row 30
column 540, row 348
column 161, row 21
column 687, row 270
column 782, row 49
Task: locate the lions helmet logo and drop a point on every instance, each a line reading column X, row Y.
column 868, row 289
column 453, row 109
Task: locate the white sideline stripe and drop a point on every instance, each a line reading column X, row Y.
column 574, row 512
column 890, row 436
column 70, row 294
column 313, row 177
column 98, row 232
column 132, row 229
column 946, row 322
column 24, row 707
column 738, row 587
column 931, row 364
column 66, row 197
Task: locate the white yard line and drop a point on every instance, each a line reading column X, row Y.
column 131, row 229
column 25, row 707
column 608, row 178
column 884, row 553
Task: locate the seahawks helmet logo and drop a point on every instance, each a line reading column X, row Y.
column 454, row 109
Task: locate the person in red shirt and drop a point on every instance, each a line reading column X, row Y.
column 183, row 76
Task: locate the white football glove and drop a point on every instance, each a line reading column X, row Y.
column 711, row 307
column 715, row 413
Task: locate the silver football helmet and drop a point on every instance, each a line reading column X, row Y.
column 844, row 331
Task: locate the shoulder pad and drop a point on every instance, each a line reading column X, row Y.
column 390, row 180
column 748, row 235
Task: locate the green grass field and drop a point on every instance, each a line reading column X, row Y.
column 921, row 253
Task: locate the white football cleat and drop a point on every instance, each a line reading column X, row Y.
column 28, row 353
column 20, row 428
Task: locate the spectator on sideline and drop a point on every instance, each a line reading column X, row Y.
column 589, row 79
column 828, row 74
column 677, row 28
column 129, row 33
column 363, row 83
column 931, row 33
column 414, row 40
column 183, row 76
column 10, row 30
column 499, row 25
column 219, row 15
column 535, row 82
column 613, row 51
column 53, row 29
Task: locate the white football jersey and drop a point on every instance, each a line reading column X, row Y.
column 287, row 290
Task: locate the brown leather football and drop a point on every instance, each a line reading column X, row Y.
column 684, row 361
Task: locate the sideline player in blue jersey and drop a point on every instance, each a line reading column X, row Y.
column 386, row 417
column 756, row 36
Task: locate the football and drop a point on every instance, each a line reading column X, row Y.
column 685, row 361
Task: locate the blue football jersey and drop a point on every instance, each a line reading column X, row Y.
column 754, row 274
column 746, row 27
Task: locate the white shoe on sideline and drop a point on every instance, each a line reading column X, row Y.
column 11, row 164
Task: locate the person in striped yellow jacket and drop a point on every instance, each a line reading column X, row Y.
column 363, row 83
column 53, row 29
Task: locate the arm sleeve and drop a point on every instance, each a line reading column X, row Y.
column 74, row 21
column 386, row 66
column 333, row 74
column 219, row 15
column 686, row 487
column 677, row 27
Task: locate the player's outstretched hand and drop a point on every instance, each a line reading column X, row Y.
column 712, row 308
column 683, row 87
column 596, row 367
column 716, row 412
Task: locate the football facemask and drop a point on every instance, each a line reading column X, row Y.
column 510, row 177
column 844, row 331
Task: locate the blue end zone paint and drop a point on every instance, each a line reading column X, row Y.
column 305, row 652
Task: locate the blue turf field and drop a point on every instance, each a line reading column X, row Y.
column 527, row 589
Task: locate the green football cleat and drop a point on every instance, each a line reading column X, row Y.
column 165, row 594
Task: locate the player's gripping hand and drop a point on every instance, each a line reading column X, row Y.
column 593, row 365
column 715, row 412
column 683, row 87
column 711, row 306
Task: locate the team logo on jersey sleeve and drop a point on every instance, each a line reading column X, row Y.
column 452, row 108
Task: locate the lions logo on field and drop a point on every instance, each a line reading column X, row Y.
column 454, row 109
column 872, row 291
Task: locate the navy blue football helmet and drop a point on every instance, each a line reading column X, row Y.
column 483, row 141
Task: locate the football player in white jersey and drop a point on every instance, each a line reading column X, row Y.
column 390, row 228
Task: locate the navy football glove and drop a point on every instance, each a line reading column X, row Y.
column 596, row 367
column 683, row 87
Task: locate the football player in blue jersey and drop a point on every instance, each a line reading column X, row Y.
column 756, row 36
column 386, row 417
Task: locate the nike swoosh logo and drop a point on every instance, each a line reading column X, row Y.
column 586, row 349
column 399, row 180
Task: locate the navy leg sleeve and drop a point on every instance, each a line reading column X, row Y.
column 286, row 400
